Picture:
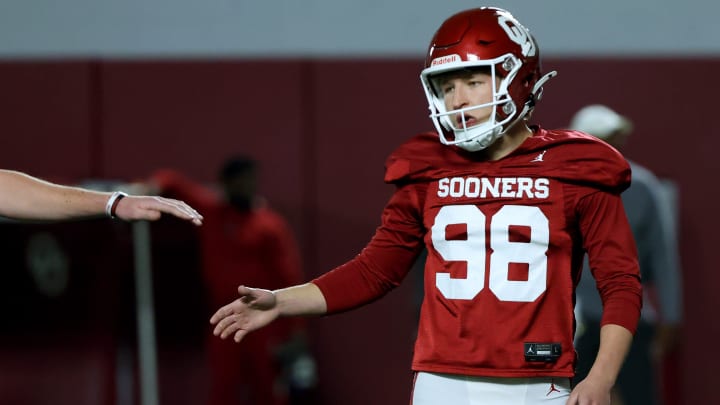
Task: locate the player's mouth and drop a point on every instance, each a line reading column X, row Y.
column 468, row 120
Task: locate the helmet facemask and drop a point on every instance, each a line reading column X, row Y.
column 452, row 125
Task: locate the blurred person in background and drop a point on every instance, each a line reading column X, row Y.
column 24, row 197
column 244, row 240
column 652, row 219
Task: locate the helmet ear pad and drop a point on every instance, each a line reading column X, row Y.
column 527, row 85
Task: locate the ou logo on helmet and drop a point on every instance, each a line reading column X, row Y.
column 518, row 34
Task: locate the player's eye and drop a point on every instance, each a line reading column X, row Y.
column 475, row 82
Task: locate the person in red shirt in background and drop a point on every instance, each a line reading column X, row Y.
column 245, row 241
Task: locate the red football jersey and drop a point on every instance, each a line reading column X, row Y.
column 505, row 243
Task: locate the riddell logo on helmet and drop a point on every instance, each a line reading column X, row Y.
column 446, row 59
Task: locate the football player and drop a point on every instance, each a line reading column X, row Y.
column 506, row 211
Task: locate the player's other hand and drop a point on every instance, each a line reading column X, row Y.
column 590, row 392
column 151, row 208
column 254, row 309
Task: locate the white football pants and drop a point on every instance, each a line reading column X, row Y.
column 448, row 389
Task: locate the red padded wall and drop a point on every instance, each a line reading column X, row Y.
column 46, row 120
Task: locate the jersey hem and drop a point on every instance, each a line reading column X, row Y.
column 478, row 372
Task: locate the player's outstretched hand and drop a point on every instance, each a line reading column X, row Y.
column 254, row 309
column 151, row 208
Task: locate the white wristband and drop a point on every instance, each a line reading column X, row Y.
column 112, row 202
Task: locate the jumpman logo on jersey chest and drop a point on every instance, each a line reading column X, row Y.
column 539, row 158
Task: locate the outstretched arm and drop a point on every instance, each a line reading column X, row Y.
column 25, row 197
column 257, row 308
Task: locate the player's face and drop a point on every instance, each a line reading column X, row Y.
column 464, row 89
